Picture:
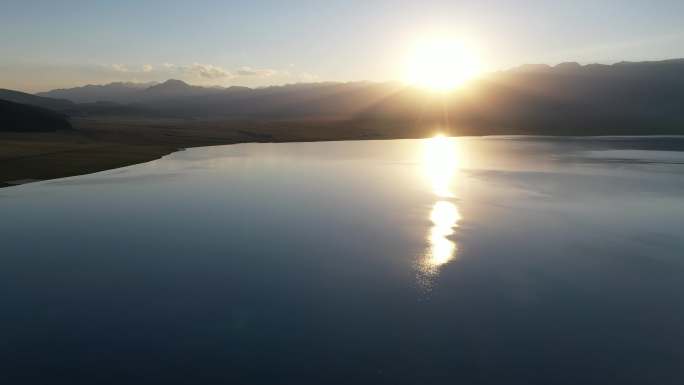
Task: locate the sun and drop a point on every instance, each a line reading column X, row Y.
column 441, row 64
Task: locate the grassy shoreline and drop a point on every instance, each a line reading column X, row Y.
column 102, row 144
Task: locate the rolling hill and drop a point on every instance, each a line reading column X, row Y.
column 16, row 117
column 34, row 100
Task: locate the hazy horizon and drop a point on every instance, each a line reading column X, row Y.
column 73, row 43
column 161, row 80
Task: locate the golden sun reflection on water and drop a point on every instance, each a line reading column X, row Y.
column 440, row 165
column 444, row 217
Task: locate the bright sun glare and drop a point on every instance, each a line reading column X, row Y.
column 441, row 162
column 441, row 64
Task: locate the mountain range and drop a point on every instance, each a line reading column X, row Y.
column 175, row 98
column 569, row 98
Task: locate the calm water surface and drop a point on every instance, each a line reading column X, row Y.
column 440, row 261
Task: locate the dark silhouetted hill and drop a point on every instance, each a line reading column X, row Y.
column 93, row 109
column 24, row 98
column 26, row 118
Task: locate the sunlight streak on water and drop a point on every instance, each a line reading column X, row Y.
column 440, row 164
column 444, row 217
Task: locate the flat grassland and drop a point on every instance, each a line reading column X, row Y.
column 106, row 143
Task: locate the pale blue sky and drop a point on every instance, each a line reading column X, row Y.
column 47, row 44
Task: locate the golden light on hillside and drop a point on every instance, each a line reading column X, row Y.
column 441, row 64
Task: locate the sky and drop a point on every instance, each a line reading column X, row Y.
column 54, row 44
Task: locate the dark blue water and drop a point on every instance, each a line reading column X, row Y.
column 442, row 261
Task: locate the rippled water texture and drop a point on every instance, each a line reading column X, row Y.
column 440, row 261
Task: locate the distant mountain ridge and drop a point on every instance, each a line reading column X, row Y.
column 176, row 97
column 120, row 92
column 622, row 98
column 566, row 99
column 130, row 92
column 171, row 89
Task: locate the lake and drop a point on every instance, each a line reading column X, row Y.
column 500, row 260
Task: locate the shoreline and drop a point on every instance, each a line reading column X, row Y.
column 97, row 145
column 102, row 144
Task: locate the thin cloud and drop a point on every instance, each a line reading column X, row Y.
column 203, row 73
column 207, row 71
column 249, row 71
column 119, row 68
